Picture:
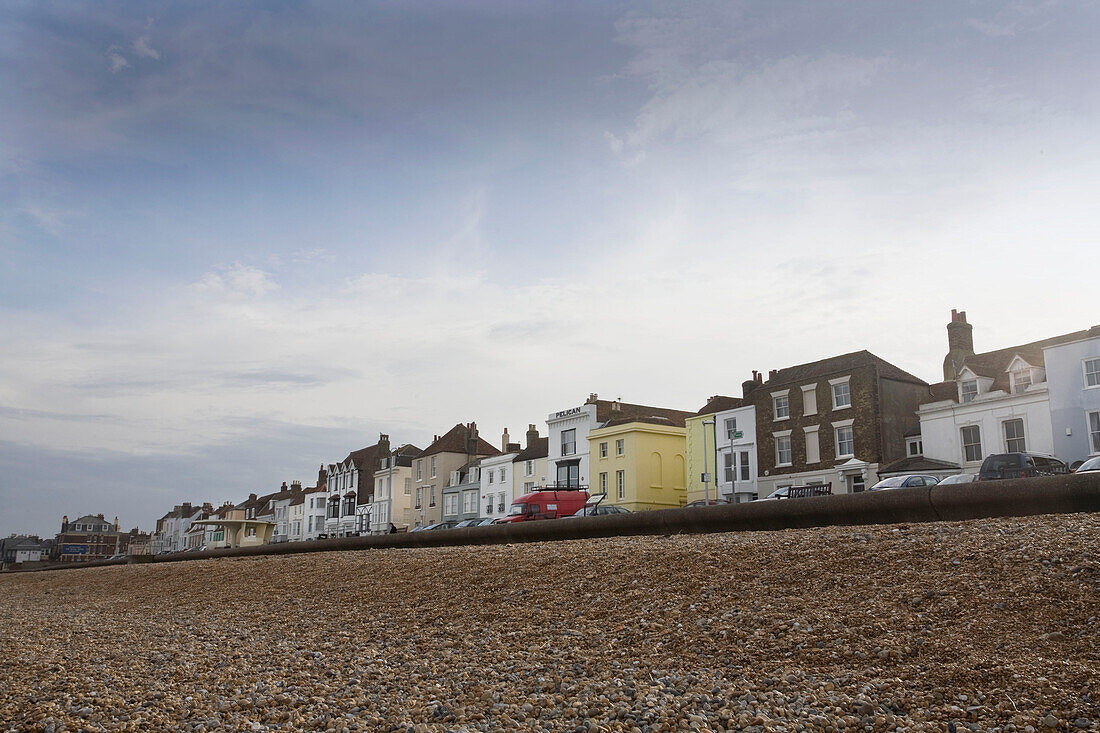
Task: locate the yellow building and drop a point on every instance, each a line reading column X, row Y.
column 639, row 462
column 697, row 448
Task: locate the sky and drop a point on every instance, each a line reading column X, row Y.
column 239, row 240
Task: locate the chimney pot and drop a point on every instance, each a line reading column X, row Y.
column 505, row 440
column 772, row 373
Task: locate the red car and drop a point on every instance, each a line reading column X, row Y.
column 545, row 504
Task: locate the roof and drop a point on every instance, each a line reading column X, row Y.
column 994, row 364
column 840, row 364
column 917, row 464
column 454, row 441
column 539, row 449
column 673, row 418
column 720, row 403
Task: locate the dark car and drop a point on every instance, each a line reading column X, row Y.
column 449, row 524
column 1020, row 465
column 706, row 502
column 468, row 523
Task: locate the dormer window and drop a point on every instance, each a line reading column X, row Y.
column 1021, row 380
column 968, row 390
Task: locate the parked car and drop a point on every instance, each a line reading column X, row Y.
column 959, row 478
column 1092, row 464
column 486, row 522
column 1020, row 465
column 546, row 504
column 904, row 482
column 780, row 493
column 706, row 502
column 449, row 524
column 597, row 510
column 468, row 523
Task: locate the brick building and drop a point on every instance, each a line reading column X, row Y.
column 88, row 539
column 833, row 421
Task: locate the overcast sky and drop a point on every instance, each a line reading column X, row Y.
column 238, row 240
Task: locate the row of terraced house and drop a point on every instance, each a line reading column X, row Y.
column 845, row 421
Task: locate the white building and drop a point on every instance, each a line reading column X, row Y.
column 568, row 464
column 393, row 491
column 1073, row 384
column 990, row 402
column 736, row 449
column 351, row 490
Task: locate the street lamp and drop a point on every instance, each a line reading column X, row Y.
column 706, row 474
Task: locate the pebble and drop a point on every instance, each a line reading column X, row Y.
column 822, row 629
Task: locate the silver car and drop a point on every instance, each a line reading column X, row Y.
column 904, row 482
column 959, row 478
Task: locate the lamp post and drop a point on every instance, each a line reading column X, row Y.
column 706, row 474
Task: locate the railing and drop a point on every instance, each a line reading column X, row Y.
column 557, row 486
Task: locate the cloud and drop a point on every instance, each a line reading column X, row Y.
column 236, row 281
column 116, row 62
column 143, row 49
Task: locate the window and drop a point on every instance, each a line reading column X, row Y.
column 489, row 506
column 500, row 503
column 569, row 475
column 603, row 482
column 972, row 443
column 433, row 466
column 490, row 477
column 528, row 487
column 1014, row 436
column 845, row 442
column 469, row 502
column 813, row 444
column 420, row 470
column 1094, row 431
column 450, row 504
column 783, row 450
column 842, row 393
column 528, row 468
column 782, row 406
column 727, row 465
column 431, row 496
column 1021, row 380
column 744, row 465
column 1092, row 373
column 502, row 475
column 569, row 442
column 349, row 505
column 968, row 390
column 408, row 487
column 809, row 399
column 620, row 447
column 731, row 427
column 620, row 484
column 419, row 497
column 857, row 484
column 603, row 449
column 914, row 447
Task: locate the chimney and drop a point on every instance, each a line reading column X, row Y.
column 186, row 509
column 65, row 523
column 772, row 373
column 532, row 435
column 100, row 516
column 383, row 449
column 504, row 440
column 116, row 523
column 471, row 439
column 960, row 344
column 251, row 497
column 592, row 397
column 283, row 487
column 295, row 485
column 749, row 385
column 616, row 406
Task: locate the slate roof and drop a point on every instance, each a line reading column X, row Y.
column 454, row 441
column 649, row 415
column 839, row 365
column 994, row 364
column 917, row 464
column 539, row 449
column 720, row 403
